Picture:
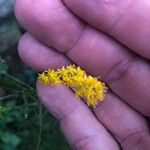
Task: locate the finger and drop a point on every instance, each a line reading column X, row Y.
column 38, row 56
column 44, row 18
column 97, row 53
column 126, row 20
column 81, row 128
column 128, row 127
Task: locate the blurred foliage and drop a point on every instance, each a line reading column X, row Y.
column 9, row 32
column 24, row 122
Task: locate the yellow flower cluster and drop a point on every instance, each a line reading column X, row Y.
column 85, row 86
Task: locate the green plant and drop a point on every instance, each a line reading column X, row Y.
column 24, row 122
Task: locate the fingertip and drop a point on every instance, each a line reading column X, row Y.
column 58, row 99
column 32, row 53
column 38, row 56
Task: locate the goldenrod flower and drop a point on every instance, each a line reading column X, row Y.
column 50, row 77
column 85, row 86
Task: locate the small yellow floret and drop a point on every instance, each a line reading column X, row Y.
column 87, row 87
column 50, row 77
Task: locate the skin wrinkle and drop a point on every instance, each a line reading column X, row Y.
column 84, row 141
column 77, row 39
column 121, row 67
column 137, row 140
column 133, row 134
column 68, row 113
column 120, row 17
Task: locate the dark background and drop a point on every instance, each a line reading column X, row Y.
column 24, row 123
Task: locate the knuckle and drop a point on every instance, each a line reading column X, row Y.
column 86, row 141
column 120, row 69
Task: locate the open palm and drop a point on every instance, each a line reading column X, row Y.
column 108, row 38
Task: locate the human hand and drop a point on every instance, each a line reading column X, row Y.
column 107, row 38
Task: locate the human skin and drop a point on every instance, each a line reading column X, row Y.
column 107, row 38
